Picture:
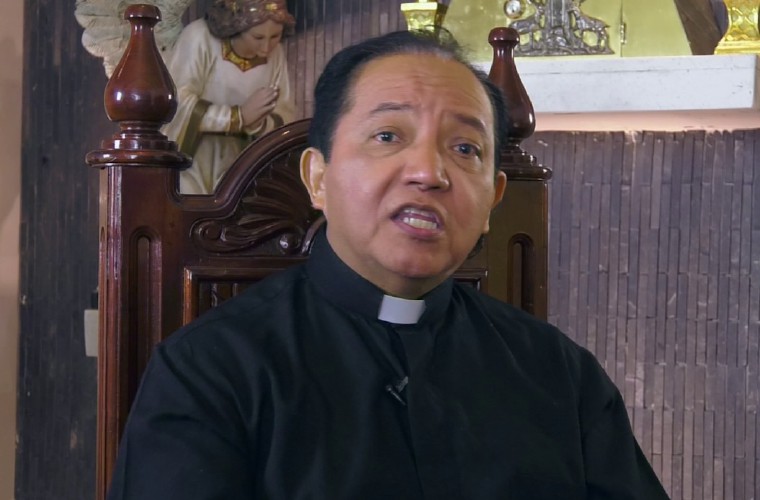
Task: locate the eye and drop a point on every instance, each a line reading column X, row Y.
column 386, row 136
column 468, row 150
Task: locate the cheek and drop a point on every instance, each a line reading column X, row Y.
column 347, row 193
column 478, row 200
column 352, row 198
column 357, row 182
column 346, row 176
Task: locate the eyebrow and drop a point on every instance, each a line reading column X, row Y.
column 384, row 107
column 472, row 122
column 468, row 120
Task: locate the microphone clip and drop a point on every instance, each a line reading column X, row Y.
column 396, row 389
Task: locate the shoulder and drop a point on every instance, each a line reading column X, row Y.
column 533, row 341
column 233, row 350
column 199, row 27
column 249, row 317
column 516, row 323
column 195, row 34
column 544, row 354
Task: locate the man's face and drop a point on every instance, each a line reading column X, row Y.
column 410, row 184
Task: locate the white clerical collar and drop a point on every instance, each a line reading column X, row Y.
column 400, row 311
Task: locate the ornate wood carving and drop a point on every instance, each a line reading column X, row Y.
column 276, row 205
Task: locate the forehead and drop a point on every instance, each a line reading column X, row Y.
column 424, row 80
column 266, row 28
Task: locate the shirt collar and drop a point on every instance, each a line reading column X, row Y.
column 341, row 285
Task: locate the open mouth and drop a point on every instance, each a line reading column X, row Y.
column 419, row 218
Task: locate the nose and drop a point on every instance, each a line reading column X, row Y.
column 425, row 168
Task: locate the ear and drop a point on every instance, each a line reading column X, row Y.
column 312, row 175
column 500, row 184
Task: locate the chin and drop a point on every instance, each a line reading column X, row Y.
column 423, row 270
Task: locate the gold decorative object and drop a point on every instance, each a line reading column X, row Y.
column 742, row 35
column 423, row 15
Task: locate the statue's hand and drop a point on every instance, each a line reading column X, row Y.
column 259, row 105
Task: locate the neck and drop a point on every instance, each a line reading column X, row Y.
column 395, row 284
column 407, row 288
column 403, row 287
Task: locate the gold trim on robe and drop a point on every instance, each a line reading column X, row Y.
column 192, row 137
column 229, row 54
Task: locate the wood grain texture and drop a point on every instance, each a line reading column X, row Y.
column 678, row 253
column 63, row 88
column 700, row 24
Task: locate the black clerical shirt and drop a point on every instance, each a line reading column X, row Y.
column 296, row 390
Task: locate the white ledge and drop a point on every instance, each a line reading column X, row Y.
column 644, row 93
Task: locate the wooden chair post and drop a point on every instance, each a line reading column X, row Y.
column 137, row 169
column 523, row 218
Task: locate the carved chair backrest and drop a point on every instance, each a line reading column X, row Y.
column 165, row 258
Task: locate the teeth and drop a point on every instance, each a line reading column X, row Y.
column 416, row 211
column 419, row 223
column 419, row 218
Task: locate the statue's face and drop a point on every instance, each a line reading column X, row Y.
column 259, row 40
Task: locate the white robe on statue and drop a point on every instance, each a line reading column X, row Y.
column 208, row 86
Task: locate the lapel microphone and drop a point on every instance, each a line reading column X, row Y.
column 396, row 389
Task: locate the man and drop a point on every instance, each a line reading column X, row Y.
column 368, row 373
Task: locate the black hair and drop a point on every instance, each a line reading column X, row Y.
column 331, row 94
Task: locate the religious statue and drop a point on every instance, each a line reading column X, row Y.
column 229, row 69
column 556, row 28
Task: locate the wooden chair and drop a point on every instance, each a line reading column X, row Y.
column 165, row 258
